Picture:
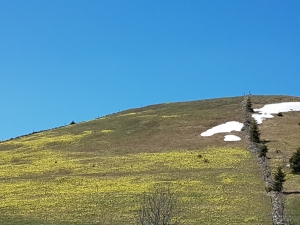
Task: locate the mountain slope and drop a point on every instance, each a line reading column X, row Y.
column 100, row 167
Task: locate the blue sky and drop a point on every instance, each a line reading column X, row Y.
column 77, row 60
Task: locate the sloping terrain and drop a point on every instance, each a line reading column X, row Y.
column 94, row 172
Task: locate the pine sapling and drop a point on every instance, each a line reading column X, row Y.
column 249, row 105
column 295, row 162
column 254, row 132
column 279, row 179
column 263, row 150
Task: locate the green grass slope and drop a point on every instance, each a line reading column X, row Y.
column 95, row 172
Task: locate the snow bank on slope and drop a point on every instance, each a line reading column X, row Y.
column 260, row 115
column 269, row 109
column 223, row 128
column 231, row 137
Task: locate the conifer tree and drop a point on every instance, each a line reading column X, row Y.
column 279, row 179
column 263, row 150
column 295, row 162
column 254, row 132
column 249, row 105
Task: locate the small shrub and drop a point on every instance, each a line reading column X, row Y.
column 279, row 114
column 199, row 156
column 205, row 160
column 160, row 206
column 72, row 122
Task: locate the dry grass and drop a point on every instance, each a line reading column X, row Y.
column 79, row 173
column 76, row 188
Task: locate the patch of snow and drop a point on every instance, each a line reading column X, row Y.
column 261, row 117
column 231, row 137
column 269, row 109
column 223, row 128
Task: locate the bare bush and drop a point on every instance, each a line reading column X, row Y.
column 159, row 207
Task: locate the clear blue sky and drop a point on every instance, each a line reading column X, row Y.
column 64, row 60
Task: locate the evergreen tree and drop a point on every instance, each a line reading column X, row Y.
column 295, row 162
column 249, row 105
column 263, row 150
column 247, row 109
column 279, row 180
column 254, row 132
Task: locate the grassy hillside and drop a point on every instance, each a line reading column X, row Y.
column 94, row 172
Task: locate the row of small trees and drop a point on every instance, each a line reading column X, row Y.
column 279, row 176
column 254, row 131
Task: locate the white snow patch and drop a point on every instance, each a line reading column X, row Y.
column 269, row 109
column 231, row 137
column 223, row 128
column 260, row 115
